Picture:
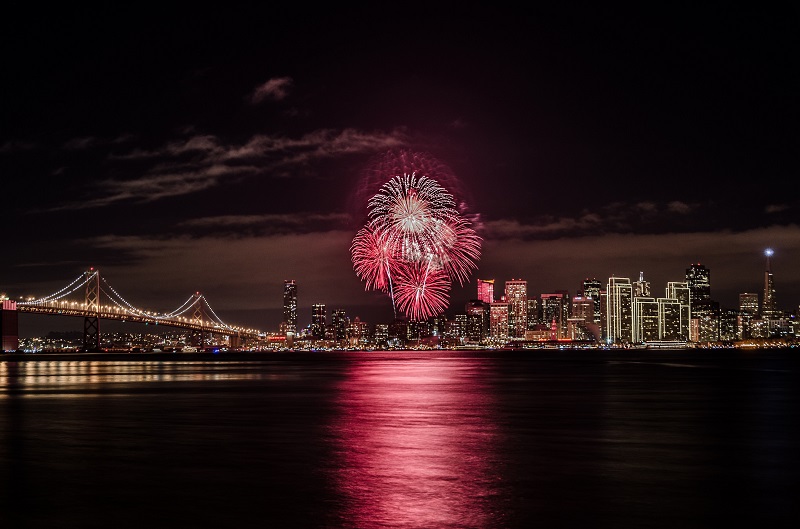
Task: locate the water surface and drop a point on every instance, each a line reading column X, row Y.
column 437, row 439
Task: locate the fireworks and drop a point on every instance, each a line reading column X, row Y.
column 414, row 245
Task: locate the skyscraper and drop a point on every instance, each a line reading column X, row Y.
column 641, row 288
column 318, row 321
column 517, row 299
column 619, row 319
column 477, row 320
column 339, row 324
column 591, row 289
column 486, row 290
column 290, row 306
column 498, row 321
column 698, row 278
column 768, row 306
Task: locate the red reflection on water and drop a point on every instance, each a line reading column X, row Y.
column 416, row 444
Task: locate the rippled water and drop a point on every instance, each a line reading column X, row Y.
column 401, row 439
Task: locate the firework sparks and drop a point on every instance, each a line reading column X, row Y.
column 415, row 245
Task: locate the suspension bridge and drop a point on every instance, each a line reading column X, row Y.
column 91, row 297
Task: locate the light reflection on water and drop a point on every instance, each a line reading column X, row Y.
column 56, row 378
column 415, row 445
column 402, row 439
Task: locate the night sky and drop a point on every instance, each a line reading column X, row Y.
column 225, row 150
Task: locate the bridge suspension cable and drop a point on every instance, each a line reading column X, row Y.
column 64, row 292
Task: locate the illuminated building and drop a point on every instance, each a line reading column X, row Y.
column 486, row 290
column 498, row 321
column 533, row 313
column 675, row 312
column 555, row 312
column 290, row 306
column 698, row 277
column 516, row 295
column 581, row 324
column 318, row 321
column 477, row 320
column 381, row 333
column 641, row 288
column 748, row 303
column 358, row 332
column 619, row 328
column 748, row 311
column 583, row 308
column 646, row 326
column 768, row 308
column 591, row 289
column 339, row 324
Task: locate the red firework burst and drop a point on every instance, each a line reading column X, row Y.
column 415, row 245
column 372, row 259
column 420, row 291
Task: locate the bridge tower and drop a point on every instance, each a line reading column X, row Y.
column 91, row 322
column 9, row 326
column 199, row 318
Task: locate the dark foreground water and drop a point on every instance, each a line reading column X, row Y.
column 415, row 440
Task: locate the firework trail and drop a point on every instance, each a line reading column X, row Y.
column 414, row 245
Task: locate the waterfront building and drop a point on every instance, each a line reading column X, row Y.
column 646, row 324
column 769, row 309
column 516, row 295
column 290, row 306
column 555, row 312
column 498, row 321
column 534, row 313
column 339, row 324
column 698, row 278
column 591, row 289
column 748, row 311
column 486, row 290
column 641, row 288
column 619, row 319
column 318, row 321
column 477, row 320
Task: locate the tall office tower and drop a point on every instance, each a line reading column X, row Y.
column 381, row 333
column 679, row 290
column 290, row 306
column 517, row 298
column 533, row 313
column 619, row 328
column 768, row 307
column 498, row 321
column 641, row 288
column 646, row 326
column 486, row 290
column 477, row 320
column 339, row 323
column 460, row 326
column 748, row 310
column 748, row 303
column 553, row 306
column 318, row 321
column 583, row 308
column 698, row 277
column 359, row 332
column 591, row 289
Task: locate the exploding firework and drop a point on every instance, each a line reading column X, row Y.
column 415, row 245
column 372, row 259
column 420, row 291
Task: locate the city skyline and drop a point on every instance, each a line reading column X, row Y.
column 228, row 153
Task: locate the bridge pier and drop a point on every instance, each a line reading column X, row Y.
column 9, row 326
